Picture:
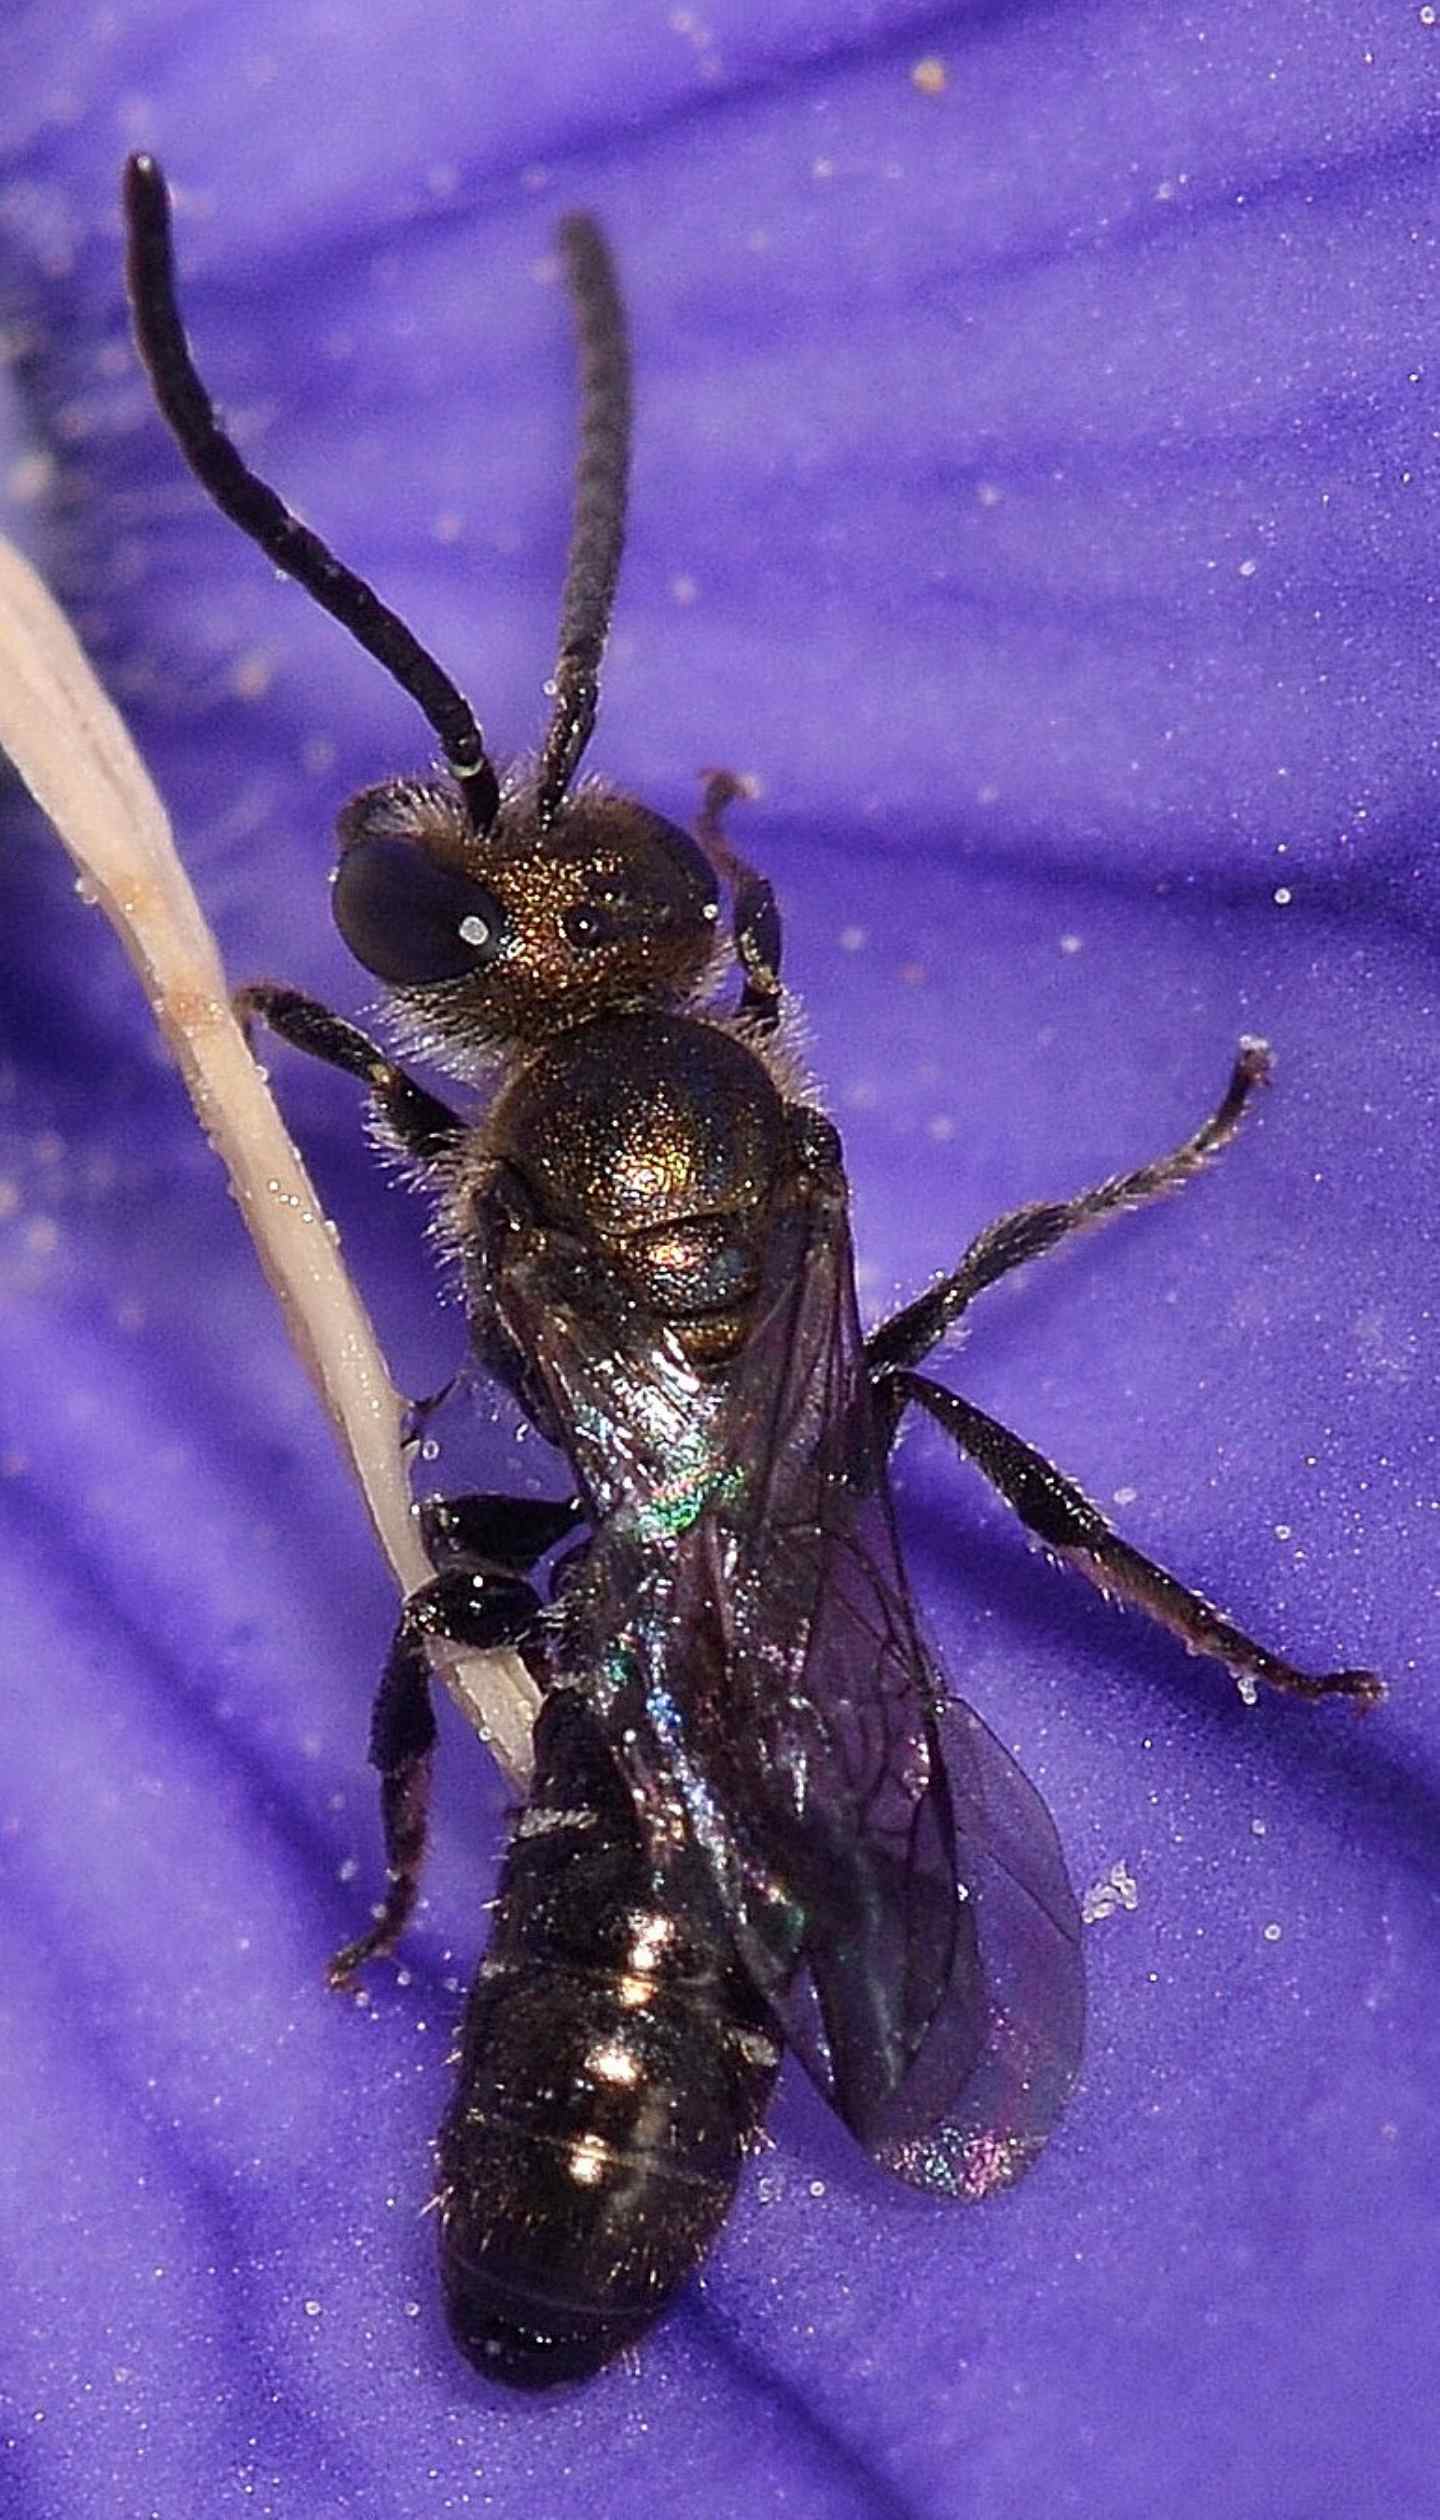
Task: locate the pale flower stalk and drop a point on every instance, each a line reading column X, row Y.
column 73, row 752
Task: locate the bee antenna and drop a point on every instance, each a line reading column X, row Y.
column 597, row 537
column 252, row 505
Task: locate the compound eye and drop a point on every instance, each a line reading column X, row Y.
column 411, row 921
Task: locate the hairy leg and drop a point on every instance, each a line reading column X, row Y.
column 1026, row 1232
column 423, row 1126
column 479, row 1598
column 1062, row 1516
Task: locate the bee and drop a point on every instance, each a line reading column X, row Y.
column 756, row 1818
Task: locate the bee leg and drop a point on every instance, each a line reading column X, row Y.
column 418, row 1413
column 422, row 1126
column 1062, row 1516
column 512, row 1531
column 1026, row 1232
column 756, row 913
column 483, row 1607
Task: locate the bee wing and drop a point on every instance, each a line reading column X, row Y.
column 997, row 2061
column 884, row 1871
column 938, row 2000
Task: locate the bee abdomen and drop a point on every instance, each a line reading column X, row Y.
column 614, row 2071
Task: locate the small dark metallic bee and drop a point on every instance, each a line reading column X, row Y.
column 755, row 1816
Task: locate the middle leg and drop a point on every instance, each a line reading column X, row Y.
column 1026, row 1232
column 485, row 1545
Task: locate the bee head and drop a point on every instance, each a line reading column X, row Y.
column 522, row 931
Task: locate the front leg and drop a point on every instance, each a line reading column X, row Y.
column 424, row 1128
column 1062, row 1516
column 755, row 920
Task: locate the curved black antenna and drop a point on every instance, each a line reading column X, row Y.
column 255, row 508
column 597, row 537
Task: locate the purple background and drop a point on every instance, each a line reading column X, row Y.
column 1036, row 488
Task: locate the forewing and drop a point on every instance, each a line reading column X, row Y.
column 886, row 1874
column 939, row 1999
column 999, row 2059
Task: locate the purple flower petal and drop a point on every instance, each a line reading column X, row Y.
column 1035, row 488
